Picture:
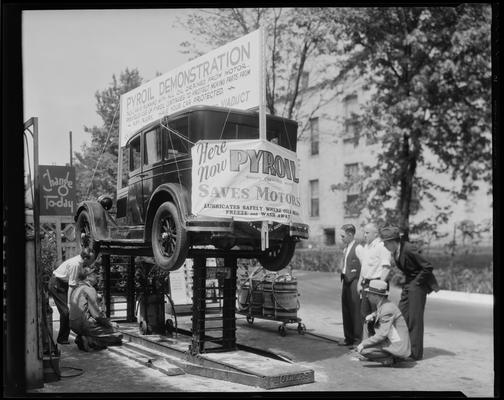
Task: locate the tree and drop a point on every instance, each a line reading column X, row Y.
column 430, row 71
column 96, row 165
column 295, row 36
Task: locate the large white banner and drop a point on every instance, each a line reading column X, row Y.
column 226, row 77
column 249, row 180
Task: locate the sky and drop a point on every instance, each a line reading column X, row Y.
column 68, row 55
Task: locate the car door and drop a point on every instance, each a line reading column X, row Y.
column 152, row 166
column 135, row 191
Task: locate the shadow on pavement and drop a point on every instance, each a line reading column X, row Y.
column 431, row 352
column 399, row 365
column 299, row 348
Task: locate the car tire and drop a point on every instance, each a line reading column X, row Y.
column 278, row 257
column 169, row 237
column 83, row 234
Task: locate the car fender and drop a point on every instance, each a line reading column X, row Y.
column 173, row 192
column 100, row 220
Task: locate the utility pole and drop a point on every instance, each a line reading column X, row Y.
column 71, row 148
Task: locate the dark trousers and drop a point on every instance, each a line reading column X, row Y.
column 350, row 306
column 412, row 306
column 59, row 292
column 365, row 308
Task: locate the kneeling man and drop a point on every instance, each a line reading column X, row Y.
column 391, row 341
column 94, row 331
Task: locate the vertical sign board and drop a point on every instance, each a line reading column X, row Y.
column 57, row 190
column 226, row 77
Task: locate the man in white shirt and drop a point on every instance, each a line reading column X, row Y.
column 61, row 284
column 375, row 261
column 350, row 300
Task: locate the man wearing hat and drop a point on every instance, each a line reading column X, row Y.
column 391, row 341
column 419, row 282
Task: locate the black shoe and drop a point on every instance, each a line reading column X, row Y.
column 388, row 362
column 63, row 341
column 346, row 343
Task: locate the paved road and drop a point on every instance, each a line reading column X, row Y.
column 318, row 288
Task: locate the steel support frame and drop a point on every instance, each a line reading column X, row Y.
column 228, row 340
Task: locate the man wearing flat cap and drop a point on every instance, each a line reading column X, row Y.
column 419, row 281
column 390, row 342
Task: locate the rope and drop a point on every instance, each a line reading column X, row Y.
column 176, row 133
column 103, row 150
column 225, row 122
column 286, row 134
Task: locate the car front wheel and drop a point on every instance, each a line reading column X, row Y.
column 169, row 237
column 83, row 233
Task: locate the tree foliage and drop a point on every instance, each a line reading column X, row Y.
column 294, row 36
column 96, row 165
column 430, row 69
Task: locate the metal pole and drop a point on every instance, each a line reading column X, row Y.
column 36, row 223
column 71, row 157
column 106, row 282
column 262, row 85
column 130, row 296
column 199, row 305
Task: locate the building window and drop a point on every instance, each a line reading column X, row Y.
column 314, row 136
column 329, row 237
column 314, row 198
column 352, row 196
column 350, row 107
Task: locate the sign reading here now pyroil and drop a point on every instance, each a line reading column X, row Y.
column 225, row 77
column 248, row 180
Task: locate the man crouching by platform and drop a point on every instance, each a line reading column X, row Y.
column 94, row 331
column 390, row 342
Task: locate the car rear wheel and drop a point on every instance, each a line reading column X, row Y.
column 278, row 257
column 84, row 235
column 169, row 237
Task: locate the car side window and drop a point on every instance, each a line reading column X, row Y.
column 153, row 147
column 174, row 143
column 135, row 158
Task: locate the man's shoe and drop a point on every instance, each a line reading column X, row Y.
column 388, row 362
column 346, row 343
column 63, row 341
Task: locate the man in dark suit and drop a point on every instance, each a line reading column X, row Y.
column 350, row 299
column 419, row 282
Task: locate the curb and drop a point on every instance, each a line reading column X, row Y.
column 477, row 298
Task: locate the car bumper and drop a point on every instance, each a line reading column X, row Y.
column 228, row 225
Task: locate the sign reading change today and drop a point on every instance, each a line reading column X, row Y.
column 225, row 77
column 57, row 190
column 249, row 180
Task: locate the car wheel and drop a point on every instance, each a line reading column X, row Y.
column 84, row 235
column 278, row 257
column 169, row 237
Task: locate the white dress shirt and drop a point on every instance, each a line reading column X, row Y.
column 374, row 258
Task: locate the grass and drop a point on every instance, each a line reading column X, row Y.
column 471, row 273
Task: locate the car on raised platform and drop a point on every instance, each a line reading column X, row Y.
column 153, row 208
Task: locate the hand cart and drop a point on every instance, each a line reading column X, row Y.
column 278, row 300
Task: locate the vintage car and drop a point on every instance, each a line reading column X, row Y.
column 153, row 210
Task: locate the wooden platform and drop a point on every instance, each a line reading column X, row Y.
column 234, row 366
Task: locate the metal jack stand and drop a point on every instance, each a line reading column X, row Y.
column 226, row 293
